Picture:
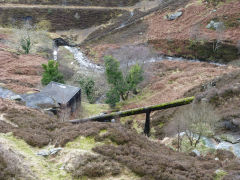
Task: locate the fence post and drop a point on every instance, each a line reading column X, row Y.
column 147, row 123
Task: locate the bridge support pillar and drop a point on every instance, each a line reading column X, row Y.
column 147, row 124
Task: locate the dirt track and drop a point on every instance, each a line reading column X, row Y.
column 28, row 6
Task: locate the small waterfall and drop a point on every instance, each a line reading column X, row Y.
column 131, row 14
column 82, row 59
column 55, row 52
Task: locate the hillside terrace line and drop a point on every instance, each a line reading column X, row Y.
column 28, row 6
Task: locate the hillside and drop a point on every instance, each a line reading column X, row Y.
column 184, row 48
column 186, row 36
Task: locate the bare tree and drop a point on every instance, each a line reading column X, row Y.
column 179, row 137
column 220, row 28
column 238, row 46
column 194, row 38
column 195, row 32
column 196, row 121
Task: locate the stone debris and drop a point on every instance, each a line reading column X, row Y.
column 174, row 15
column 214, row 25
column 49, row 152
column 16, row 98
column 196, row 152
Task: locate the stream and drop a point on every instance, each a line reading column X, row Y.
column 233, row 147
column 84, row 62
column 233, row 144
column 227, row 141
column 82, row 59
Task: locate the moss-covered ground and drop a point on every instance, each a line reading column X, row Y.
column 42, row 167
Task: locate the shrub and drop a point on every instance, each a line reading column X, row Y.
column 44, row 25
column 51, row 73
column 88, row 86
column 92, row 166
column 134, row 77
column 112, row 97
column 26, row 44
column 121, row 85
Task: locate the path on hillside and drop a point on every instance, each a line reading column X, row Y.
column 61, row 7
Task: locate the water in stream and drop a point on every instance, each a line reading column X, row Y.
column 211, row 143
column 87, row 64
column 6, row 94
column 82, row 60
column 221, row 144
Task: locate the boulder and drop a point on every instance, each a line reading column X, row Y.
column 16, row 98
column 60, row 42
column 229, row 125
column 174, row 15
column 195, row 152
column 214, row 25
column 49, row 152
column 234, row 148
column 236, row 122
column 231, row 138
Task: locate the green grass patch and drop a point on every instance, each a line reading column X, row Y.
column 40, row 166
column 219, row 174
column 136, row 127
column 84, row 143
column 102, row 132
column 88, row 109
column 137, row 98
column 161, row 124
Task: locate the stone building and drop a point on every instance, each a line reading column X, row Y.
column 67, row 97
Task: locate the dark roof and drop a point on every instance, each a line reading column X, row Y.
column 39, row 100
column 61, row 93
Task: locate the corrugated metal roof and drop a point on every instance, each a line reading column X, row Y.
column 61, row 93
